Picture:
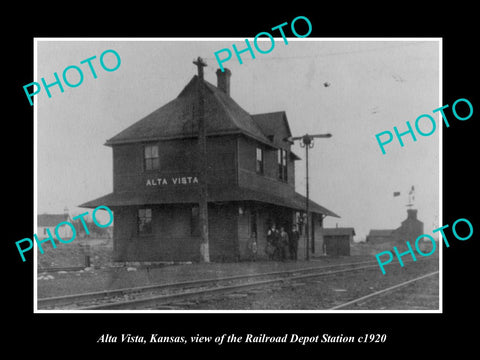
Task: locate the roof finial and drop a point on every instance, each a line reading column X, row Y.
column 200, row 65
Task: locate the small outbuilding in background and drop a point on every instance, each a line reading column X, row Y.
column 336, row 241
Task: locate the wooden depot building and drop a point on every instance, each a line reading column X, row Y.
column 250, row 177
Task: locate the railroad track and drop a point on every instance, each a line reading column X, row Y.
column 382, row 292
column 57, row 269
column 165, row 295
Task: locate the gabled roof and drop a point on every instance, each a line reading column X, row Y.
column 273, row 123
column 338, row 231
column 49, row 220
column 176, row 119
column 275, row 126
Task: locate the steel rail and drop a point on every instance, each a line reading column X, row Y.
column 98, row 295
column 57, row 269
column 381, row 292
column 155, row 301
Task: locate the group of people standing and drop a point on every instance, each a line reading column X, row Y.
column 282, row 245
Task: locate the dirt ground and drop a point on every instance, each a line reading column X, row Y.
column 327, row 292
column 73, row 254
column 117, row 277
column 318, row 294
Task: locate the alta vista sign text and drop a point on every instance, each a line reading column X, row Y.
column 183, row 180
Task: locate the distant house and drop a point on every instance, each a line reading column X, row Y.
column 379, row 236
column 410, row 229
column 336, row 241
column 50, row 222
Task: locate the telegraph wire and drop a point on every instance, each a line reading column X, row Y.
column 335, row 53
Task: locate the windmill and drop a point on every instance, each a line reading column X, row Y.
column 411, row 197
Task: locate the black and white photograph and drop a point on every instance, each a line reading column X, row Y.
column 293, row 180
column 194, row 183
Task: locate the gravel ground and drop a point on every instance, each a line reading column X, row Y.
column 421, row 295
column 73, row 254
column 121, row 277
column 322, row 293
column 326, row 292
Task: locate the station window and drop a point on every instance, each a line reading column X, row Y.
column 282, row 164
column 259, row 161
column 144, row 221
column 151, row 157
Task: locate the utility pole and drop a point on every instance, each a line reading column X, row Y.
column 202, row 144
column 307, row 199
column 307, row 143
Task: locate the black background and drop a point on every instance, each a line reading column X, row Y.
column 408, row 334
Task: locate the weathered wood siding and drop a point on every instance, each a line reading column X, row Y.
column 268, row 181
column 172, row 238
column 178, row 159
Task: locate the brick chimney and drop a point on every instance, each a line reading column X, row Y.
column 223, row 80
column 412, row 214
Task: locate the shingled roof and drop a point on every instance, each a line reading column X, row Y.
column 270, row 122
column 216, row 194
column 176, row 118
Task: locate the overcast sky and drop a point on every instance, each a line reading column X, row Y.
column 373, row 86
